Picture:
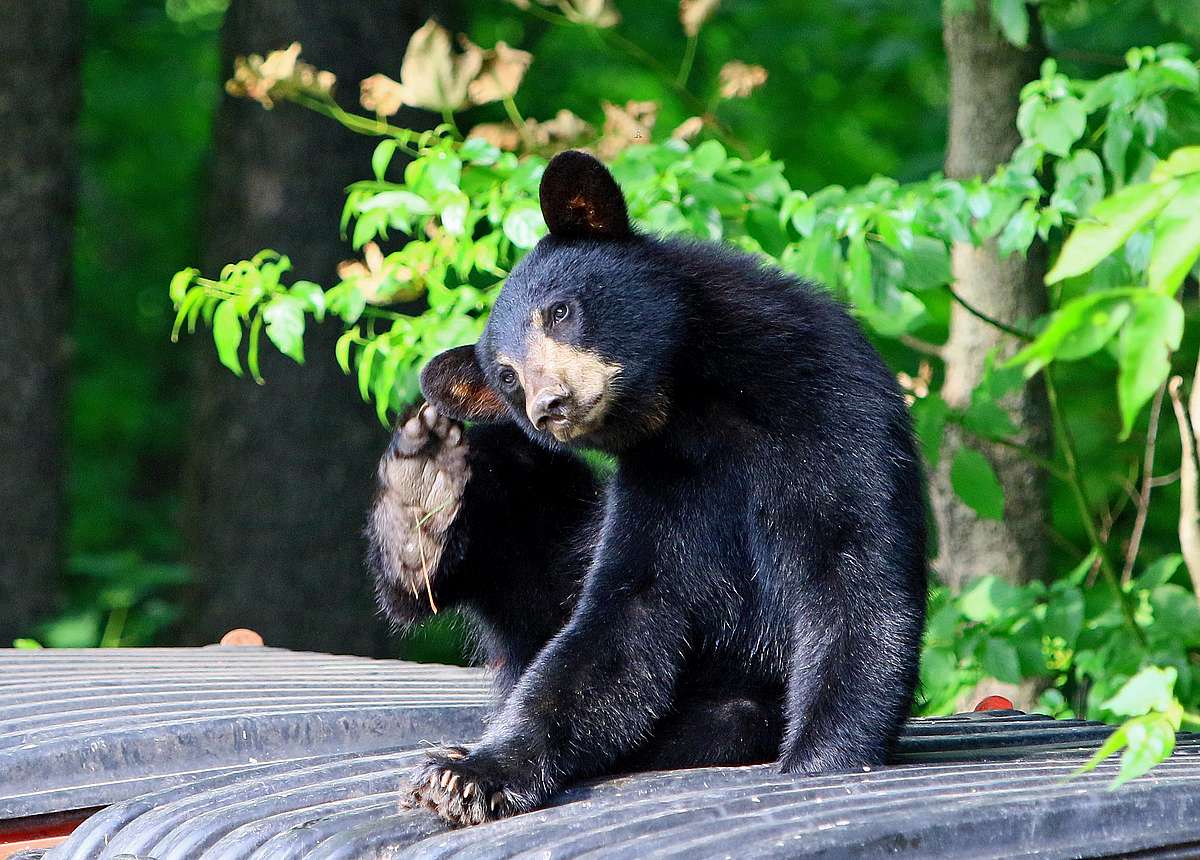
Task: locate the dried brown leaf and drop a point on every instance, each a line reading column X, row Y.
column 597, row 13
column 501, row 134
column 434, row 76
column 689, row 128
column 381, row 95
column 694, row 13
column 739, row 79
column 625, row 126
column 501, row 74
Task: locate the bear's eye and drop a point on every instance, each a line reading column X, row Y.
column 559, row 312
column 508, row 378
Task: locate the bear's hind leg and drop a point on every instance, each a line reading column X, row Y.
column 712, row 730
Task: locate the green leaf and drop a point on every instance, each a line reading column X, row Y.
column 1111, row 222
column 191, row 302
column 762, row 223
column 476, row 150
column 1097, row 328
column 382, row 157
column 27, row 644
column 311, row 296
column 1018, row 233
column 443, row 171
column 1117, row 137
column 1079, row 182
column 1060, row 124
column 252, row 351
column 1160, row 571
column 938, row 665
column 1013, row 18
column 929, row 420
column 365, row 359
column 1000, row 660
column 342, row 350
column 1150, row 740
column 284, row 316
column 383, row 385
column 1077, row 329
column 1180, row 73
column 454, row 213
column 227, row 335
column 1181, row 162
column 179, row 285
column 1176, row 238
column 1151, row 689
column 989, row 598
column 399, row 200
column 347, row 301
column 523, row 225
column 1064, row 615
column 1176, row 615
column 1115, row 742
column 708, row 157
column 1144, row 352
column 975, row 483
column 664, row 217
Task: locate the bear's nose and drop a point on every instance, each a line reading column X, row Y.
column 549, row 404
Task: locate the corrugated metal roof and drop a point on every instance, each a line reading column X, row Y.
column 979, row 785
column 85, row 728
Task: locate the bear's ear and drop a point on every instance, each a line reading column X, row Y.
column 581, row 199
column 454, row 383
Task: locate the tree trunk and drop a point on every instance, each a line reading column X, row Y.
column 986, row 76
column 39, row 97
column 280, row 476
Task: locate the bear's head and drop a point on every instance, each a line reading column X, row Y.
column 579, row 343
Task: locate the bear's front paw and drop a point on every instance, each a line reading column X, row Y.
column 422, row 476
column 468, row 787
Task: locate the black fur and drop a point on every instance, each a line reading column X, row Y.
column 751, row 583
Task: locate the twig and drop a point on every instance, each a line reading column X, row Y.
column 1067, row 443
column 1189, row 479
column 685, row 65
column 1165, row 480
column 990, row 320
column 1029, row 454
column 424, row 564
column 1143, row 497
column 922, row 346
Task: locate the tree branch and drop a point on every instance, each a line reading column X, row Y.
column 1143, row 496
column 1067, row 444
column 990, row 320
column 1189, row 479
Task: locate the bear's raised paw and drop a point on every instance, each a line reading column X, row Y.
column 422, row 476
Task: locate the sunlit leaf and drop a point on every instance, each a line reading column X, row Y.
column 284, row 316
column 1013, row 18
column 1176, row 238
column 1109, row 224
column 1147, row 340
column 227, row 335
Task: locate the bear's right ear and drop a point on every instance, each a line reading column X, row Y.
column 454, row 383
column 580, row 198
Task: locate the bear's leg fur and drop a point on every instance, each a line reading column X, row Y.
column 712, row 730
column 854, row 660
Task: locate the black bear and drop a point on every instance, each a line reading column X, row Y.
column 749, row 585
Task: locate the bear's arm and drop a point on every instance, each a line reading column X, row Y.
column 592, row 695
column 485, row 521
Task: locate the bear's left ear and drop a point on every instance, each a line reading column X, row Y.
column 580, row 198
column 454, row 383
